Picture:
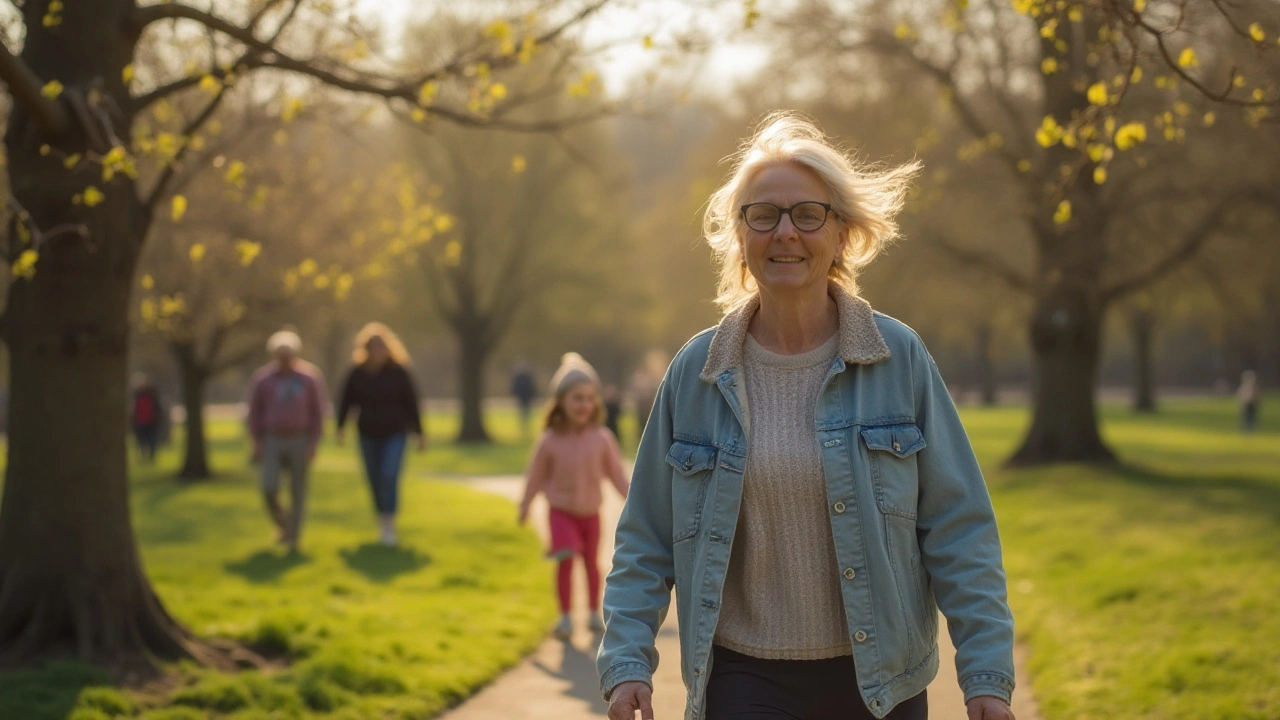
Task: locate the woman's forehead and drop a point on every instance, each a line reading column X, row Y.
column 786, row 184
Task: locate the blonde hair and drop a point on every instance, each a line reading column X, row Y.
column 865, row 199
column 395, row 348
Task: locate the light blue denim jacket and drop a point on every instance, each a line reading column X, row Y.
column 910, row 516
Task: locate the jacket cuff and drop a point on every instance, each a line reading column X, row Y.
column 625, row 672
column 993, row 684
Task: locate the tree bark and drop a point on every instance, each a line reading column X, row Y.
column 473, row 356
column 195, row 378
column 71, row 579
column 1065, row 336
column 1142, row 328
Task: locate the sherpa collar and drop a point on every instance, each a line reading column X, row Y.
column 860, row 339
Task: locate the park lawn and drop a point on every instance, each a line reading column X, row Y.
column 1148, row 590
column 370, row 632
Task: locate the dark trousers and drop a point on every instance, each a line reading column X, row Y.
column 747, row 688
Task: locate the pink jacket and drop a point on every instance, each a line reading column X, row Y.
column 290, row 403
column 569, row 466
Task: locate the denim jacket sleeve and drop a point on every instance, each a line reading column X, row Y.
column 638, row 589
column 959, row 541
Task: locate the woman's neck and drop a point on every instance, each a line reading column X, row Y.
column 794, row 324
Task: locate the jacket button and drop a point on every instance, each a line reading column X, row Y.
column 896, row 446
column 875, row 704
column 860, row 636
column 687, row 465
column 849, row 574
column 839, row 507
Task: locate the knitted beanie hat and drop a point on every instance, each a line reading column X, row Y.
column 574, row 370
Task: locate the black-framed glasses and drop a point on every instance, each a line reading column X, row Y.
column 806, row 216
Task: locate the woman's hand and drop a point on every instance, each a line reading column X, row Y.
column 629, row 697
column 986, row 707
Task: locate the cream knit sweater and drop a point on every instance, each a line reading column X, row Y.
column 782, row 592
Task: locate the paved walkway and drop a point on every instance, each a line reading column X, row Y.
column 559, row 682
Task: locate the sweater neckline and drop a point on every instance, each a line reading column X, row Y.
column 755, row 353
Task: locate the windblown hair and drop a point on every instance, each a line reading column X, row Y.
column 395, row 348
column 865, row 198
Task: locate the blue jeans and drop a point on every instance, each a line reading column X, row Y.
column 382, row 460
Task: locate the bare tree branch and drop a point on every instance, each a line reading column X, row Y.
column 1186, row 248
column 985, row 262
column 166, row 177
column 26, row 87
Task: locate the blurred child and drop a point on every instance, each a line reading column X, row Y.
column 572, row 458
column 1249, row 394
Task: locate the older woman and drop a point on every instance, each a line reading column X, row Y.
column 804, row 483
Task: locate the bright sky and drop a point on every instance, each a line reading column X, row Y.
column 627, row 22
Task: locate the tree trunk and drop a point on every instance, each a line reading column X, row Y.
column 195, row 463
column 71, row 579
column 988, row 386
column 1142, row 327
column 1065, row 339
column 473, row 358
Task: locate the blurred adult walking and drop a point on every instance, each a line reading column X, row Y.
column 1249, row 395
column 524, row 391
column 805, row 484
column 147, row 417
column 286, row 421
column 381, row 390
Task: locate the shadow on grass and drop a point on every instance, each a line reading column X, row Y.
column 266, row 566
column 51, row 692
column 383, row 564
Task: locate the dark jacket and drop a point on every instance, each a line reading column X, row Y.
column 387, row 400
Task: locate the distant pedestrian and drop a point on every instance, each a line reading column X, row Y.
column 147, row 417
column 382, row 391
column 644, row 387
column 286, row 420
column 1249, row 395
column 573, row 456
column 524, row 390
column 612, row 409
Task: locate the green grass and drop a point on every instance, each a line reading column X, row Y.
column 369, row 632
column 1149, row 590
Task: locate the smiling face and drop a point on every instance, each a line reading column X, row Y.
column 580, row 404
column 787, row 260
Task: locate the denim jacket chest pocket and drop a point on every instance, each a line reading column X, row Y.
column 692, row 465
column 892, row 450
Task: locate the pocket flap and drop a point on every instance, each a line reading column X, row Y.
column 901, row 440
column 689, row 458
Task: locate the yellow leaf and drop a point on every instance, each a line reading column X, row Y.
column 71, row 160
column 1139, row 5
column 418, row 115
column 1062, row 215
column 427, row 93
column 1170, row 133
column 518, row 164
column 321, row 282
column 45, row 149
column 1049, row 66
column 1238, row 81
column 308, row 268
column 148, row 282
column 453, row 252
column 1050, row 29
column 128, row 74
column 1099, row 175
column 1130, row 134
column 648, row 42
column 1210, row 119
column 903, row 31
column 248, row 250
column 93, row 196
column 498, row 30
column 1135, row 77
column 1259, row 94
column 197, row 252
column 211, row 84
column 235, row 173
column 179, row 208
column 444, row 223
column 51, row 89
column 1097, row 152
column 1098, row 93
column 25, row 265
column 342, row 286
column 1188, row 59
column 291, row 109
column 498, row 91
column 1257, row 33
column 1075, row 14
